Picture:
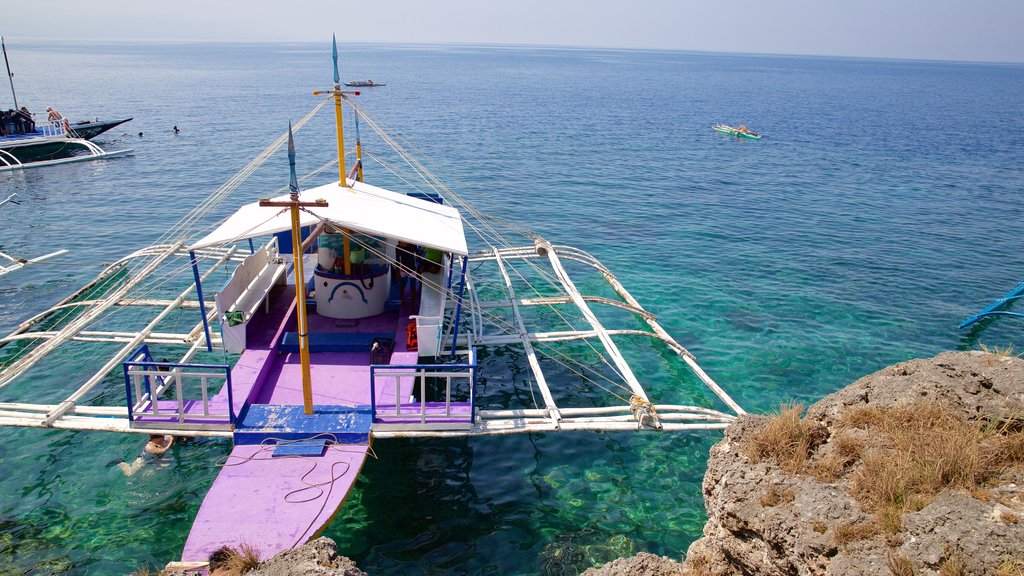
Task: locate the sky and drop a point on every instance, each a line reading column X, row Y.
column 972, row 30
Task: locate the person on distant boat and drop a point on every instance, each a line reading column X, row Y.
column 370, row 82
column 23, row 121
column 743, row 129
column 158, row 445
column 3, row 123
column 407, row 270
column 55, row 117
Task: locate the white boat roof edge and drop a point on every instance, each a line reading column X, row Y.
column 361, row 208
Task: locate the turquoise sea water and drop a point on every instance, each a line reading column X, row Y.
column 883, row 205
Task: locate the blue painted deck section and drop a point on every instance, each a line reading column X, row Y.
column 269, row 422
column 300, row 448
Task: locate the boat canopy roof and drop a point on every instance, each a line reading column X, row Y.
column 361, row 208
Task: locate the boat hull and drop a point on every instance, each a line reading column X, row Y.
column 90, row 129
column 735, row 132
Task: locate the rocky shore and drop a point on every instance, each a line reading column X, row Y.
column 915, row 469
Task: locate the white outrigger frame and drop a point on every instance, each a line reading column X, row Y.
column 69, row 414
column 635, row 414
column 10, row 263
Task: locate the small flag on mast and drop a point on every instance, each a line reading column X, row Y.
column 294, row 183
column 334, row 53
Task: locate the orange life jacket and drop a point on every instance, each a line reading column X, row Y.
column 411, row 342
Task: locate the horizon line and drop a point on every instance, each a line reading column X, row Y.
column 36, row 40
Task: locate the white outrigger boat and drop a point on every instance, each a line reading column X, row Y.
column 383, row 341
column 50, row 143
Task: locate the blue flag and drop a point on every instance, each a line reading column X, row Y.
column 334, row 53
column 294, row 183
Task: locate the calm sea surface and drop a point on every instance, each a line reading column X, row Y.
column 883, row 205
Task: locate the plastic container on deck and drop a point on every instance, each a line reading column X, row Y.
column 380, row 350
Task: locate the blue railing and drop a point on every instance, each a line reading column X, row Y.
column 454, row 408
column 188, row 386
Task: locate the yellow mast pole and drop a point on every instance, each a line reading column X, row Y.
column 300, row 300
column 359, row 149
column 293, row 204
column 342, row 177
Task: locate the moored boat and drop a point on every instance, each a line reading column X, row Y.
column 363, row 84
column 25, row 143
column 381, row 342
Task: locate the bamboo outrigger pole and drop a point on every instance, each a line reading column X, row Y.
column 294, row 204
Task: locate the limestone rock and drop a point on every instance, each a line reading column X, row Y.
column 643, row 564
column 752, row 530
column 764, row 521
column 317, row 558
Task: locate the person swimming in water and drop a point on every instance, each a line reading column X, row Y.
column 157, row 446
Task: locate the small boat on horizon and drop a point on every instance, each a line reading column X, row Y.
column 740, row 132
column 363, row 84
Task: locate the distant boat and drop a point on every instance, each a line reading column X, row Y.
column 90, row 129
column 363, row 84
column 740, row 132
column 993, row 309
column 26, row 144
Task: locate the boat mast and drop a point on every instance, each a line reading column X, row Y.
column 342, row 181
column 294, row 204
column 10, row 77
column 337, row 115
column 359, row 148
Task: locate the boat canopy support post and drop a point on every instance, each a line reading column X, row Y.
column 199, row 295
column 298, row 249
column 458, row 302
column 359, row 147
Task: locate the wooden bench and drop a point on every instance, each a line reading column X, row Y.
column 246, row 290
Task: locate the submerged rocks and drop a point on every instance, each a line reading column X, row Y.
column 643, row 564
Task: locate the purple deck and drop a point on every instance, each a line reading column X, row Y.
column 249, row 502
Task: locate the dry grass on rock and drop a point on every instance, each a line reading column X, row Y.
column 787, row 439
column 896, row 459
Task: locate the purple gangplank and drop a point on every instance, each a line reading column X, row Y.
column 272, row 504
column 266, row 502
